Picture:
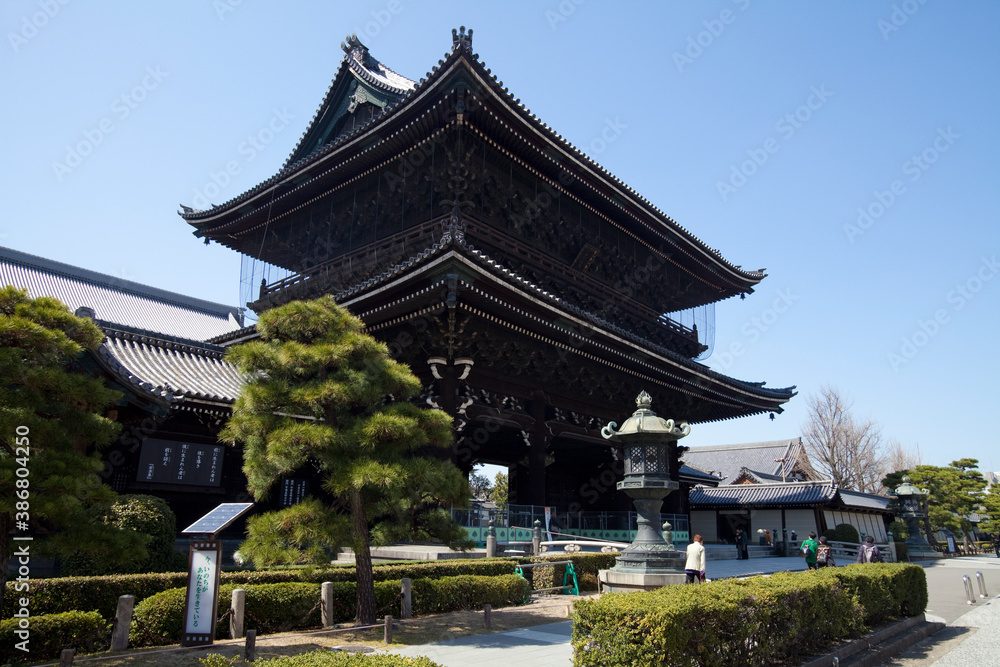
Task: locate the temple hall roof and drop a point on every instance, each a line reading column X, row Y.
column 117, row 300
column 757, row 457
column 168, row 368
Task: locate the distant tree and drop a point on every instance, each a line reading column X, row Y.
column 480, row 486
column 849, row 450
column 901, row 457
column 955, row 492
column 323, row 392
column 52, row 428
column 499, row 493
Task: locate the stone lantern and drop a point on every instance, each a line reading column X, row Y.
column 651, row 473
column 911, row 510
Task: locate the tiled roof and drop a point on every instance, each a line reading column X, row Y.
column 116, row 300
column 696, row 473
column 740, row 495
column 756, row 456
column 172, row 369
column 759, row 477
column 864, row 500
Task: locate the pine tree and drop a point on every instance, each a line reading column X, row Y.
column 52, row 430
column 324, row 393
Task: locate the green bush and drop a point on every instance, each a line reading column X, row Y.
column 50, row 634
column 777, row 619
column 899, row 530
column 145, row 515
column 885, row 590
column 325, row 659
column 902, row 555
column 844, row 532
column 585, row 565
column 290, row 606
column 52, row 596
column 735, row 622
column 269, row 608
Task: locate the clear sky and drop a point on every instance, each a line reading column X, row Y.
column 851, row 148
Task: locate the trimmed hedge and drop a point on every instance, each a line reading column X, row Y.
column 325, row 659
column 902, row 553
column 762, row 620
column 586, row 567
column 51, row 596
column 50, row 634
column 292, row 606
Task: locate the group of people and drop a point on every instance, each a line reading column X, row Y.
column 817, row 552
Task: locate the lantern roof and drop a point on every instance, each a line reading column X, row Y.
column 908, row 489
column 644, row 421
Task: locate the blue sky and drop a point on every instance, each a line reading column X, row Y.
column 851, row 148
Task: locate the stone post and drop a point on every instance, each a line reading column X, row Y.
column 536, row 538
column 407, row 602
column 326, row 604
column 237, row 605
column 123, row 623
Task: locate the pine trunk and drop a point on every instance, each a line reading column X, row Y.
column 363, row 560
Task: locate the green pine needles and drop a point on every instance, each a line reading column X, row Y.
column 325, row 396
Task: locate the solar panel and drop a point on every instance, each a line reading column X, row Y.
column 217, row 519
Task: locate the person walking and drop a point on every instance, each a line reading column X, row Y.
column 809, row 550
column 694, row 568
column 869, row 553
column 824, row 554
column 996, row 544
column 741, row 545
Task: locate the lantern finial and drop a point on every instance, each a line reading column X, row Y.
column 643, row 400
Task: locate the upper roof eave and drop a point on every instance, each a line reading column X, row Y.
column 461, row 56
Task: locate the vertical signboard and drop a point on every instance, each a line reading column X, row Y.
column 201, row 606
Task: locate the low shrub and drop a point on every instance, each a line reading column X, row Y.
column 324, row 659
column 291, row 606
column 753, row 621
column 586, row 567
column 51, row 596
column 51, row 633
column 885, row 590
column 777, row 619
column 902, row 554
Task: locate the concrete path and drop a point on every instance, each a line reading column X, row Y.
column 541, row 645
column 973, row 633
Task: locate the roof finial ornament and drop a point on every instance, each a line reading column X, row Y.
column 459, row 38
column 353, row 47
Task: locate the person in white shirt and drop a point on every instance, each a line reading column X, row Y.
column 695, row 566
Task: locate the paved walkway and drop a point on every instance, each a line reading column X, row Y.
column 972, row 638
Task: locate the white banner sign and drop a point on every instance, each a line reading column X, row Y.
column 201, row 592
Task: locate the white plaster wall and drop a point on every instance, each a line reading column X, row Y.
column 801, row 521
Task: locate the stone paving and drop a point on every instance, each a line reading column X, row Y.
column 973, row 637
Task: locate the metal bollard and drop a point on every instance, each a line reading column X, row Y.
column 982, row 585
column 968, row 589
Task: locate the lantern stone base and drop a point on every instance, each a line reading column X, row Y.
column 921, row 552
column 615, row 581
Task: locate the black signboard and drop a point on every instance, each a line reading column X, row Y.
column 175, row 462
column 217, row 519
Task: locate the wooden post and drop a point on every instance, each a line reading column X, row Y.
column 123, row 623
column 388, row 629
column 326, row 603
column 407, row 603
column 487, row 612
column 66, row 657
column 250, row 652
column 237, row 606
